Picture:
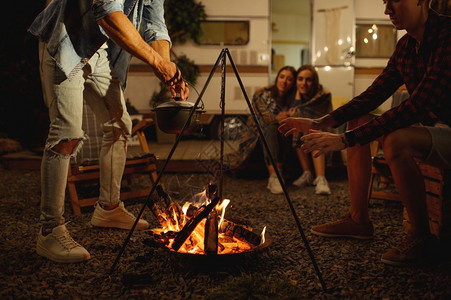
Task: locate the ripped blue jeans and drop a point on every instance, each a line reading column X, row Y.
column 97, row 84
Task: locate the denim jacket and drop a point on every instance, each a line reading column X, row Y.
column 72, row 35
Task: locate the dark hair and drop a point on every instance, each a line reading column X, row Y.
column 315, row 86
column 274, row 91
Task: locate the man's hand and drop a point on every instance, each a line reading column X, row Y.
column 162, row 47
column 282, row 116
column 184, row 91
column 121, row 31
column 291, row 125
column 175, row 84
column 323, row 142
column 292, row 111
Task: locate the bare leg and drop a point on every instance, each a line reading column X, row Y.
column 401, row 148
column 359, row 174
column 319, row 163
column 271, row 168
column 303, row 159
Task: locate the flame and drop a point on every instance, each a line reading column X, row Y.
column 228, row 243
column 222, row 206
column 200, row 199
column 263, row 235
column 185, row 208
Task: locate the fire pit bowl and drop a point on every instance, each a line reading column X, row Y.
column 230, row 229
column 198, row 231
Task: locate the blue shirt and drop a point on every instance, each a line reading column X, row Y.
column 71, row 33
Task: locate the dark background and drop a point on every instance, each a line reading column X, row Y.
column 23, row 115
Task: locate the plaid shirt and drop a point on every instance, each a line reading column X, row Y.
column 427, row 76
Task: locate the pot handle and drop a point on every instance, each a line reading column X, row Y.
column 201, row 107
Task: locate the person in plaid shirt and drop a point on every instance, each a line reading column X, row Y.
column 422, row 62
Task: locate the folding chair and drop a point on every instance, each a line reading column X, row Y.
column 84, row 171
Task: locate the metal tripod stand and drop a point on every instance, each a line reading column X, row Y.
column 222, row 58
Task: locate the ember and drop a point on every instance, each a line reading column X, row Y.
column 200, row 227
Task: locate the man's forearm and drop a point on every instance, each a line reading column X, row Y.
column 323, row 122
column 122, row 32
column 162, row 48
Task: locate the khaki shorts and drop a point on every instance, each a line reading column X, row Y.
column 440, row 154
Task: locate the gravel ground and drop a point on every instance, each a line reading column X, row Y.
column 350, row 268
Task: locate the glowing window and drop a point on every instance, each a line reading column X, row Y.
column 375, row 40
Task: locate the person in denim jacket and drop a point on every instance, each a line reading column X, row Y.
column 85, row 47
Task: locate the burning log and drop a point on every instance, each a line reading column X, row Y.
column 233, row 238
column 190, row 211
column 157, row 212
column 162, row 237
column 189, row 227
column 241, row 232
column 211, row 233
column 185, row 230
column 174, row 211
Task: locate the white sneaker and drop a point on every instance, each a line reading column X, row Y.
column 305, row 179
column 274, row 185
column 59, row 246
column 116, row 218
column 322, row 187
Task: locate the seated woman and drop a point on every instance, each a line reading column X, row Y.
column 311, row 101
column 271, row 105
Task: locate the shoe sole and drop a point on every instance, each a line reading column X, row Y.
column 109, row 224
column 330, row 235
column 276, row 193
column 43, row 252
column 323, row 193
column 401, row 264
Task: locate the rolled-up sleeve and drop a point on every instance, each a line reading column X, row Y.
column 102, row 8
column 154, row 26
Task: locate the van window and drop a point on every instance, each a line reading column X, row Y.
column 224, row 33
column 375, row 40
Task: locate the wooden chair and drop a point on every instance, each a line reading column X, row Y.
column 86, row 172
column 438, row 200
column 437, row 183
column 381, row 173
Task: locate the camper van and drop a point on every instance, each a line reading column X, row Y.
column 243, row 27
column 263, row 35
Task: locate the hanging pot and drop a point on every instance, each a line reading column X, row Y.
column 172, row 116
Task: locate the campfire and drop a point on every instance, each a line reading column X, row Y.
column 199, row 227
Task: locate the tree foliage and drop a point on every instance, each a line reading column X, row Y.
column 183, row 19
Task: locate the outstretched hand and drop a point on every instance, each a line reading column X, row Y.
column 291, row 125
column 322, row 141
column 282, row 116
